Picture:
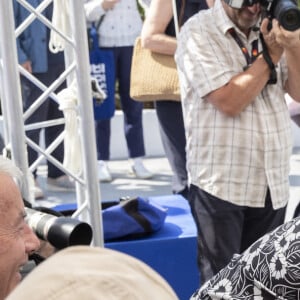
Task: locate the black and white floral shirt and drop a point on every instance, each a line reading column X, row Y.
column 269, row 269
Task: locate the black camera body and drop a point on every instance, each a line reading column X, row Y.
column 285, row 11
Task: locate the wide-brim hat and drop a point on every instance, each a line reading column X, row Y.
column 83, row 272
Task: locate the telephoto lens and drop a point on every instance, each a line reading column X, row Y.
column 287, row 13
column 60, row 232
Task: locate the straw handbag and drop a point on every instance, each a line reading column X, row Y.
column 154, row 75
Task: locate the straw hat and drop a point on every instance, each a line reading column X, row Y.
column 83, row 272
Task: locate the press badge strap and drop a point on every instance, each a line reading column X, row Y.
column 254, row 51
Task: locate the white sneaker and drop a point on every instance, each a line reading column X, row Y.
column 38, row 192
column 103, row 172
column 140, row 170
column 61, row 183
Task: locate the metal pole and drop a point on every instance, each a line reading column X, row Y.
column 12, row 92
column 87, row 186
column 78, row 25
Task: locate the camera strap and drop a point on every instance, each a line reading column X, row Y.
column 254, row 51
column 267, row 58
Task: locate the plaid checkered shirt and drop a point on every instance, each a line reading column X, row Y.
column 233, row 158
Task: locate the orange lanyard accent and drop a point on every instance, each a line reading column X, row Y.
column 254, row 52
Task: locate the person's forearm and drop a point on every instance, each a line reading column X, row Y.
column 293, row 82
column 242, row 89
column 153, row 35
column 160, row 43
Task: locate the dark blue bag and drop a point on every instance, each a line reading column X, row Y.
column 103, row 69
column 127, row 218
column 132, row 218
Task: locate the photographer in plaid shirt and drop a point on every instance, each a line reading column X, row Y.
column 234, row 73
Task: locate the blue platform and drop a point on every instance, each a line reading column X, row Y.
column 172, row 251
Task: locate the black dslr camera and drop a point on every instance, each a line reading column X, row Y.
column 285, row 11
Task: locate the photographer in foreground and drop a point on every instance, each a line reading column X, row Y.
column 234, row 73
column 17, row 240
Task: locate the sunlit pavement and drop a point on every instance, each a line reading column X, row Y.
column 125, row 184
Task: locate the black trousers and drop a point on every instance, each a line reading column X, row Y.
column 133, row 111
column 225, row 229
column 171, row 127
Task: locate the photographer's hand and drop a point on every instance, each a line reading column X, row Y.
column 275, row 49
column 290, row 42
column 287, row 39
column 46, row 249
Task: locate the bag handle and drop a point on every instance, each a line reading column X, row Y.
column 131, row 206
column 100, row 22
column 175, row 16
column 93, row 38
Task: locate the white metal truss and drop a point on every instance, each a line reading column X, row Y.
column 77, row 66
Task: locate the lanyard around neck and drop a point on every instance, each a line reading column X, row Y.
column 254, row 51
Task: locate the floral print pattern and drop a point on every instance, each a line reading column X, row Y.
column 267, row 270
